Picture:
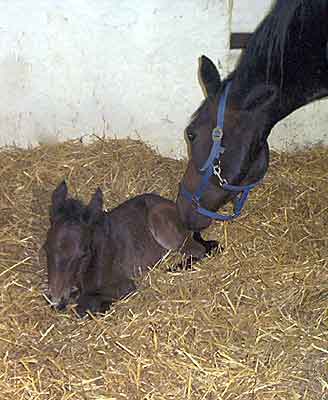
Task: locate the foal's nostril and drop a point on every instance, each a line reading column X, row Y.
column 61, row 306
column 58, row 305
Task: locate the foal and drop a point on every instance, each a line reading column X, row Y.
column 101, row 253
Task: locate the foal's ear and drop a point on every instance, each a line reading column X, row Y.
column 95, row 206
column 58, row 198
column 260, row 98
column 209, row 76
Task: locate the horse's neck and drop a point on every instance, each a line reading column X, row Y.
column 293, row 57
column 292, row 94
column 286, row 104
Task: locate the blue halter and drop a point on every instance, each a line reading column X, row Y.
column 210, row 168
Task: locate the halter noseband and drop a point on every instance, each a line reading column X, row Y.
column 211, row 168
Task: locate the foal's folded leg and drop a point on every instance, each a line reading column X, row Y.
column 97, row 301
column 101, row 301
column 89, row 302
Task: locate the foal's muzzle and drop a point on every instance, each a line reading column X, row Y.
column 61, row 305
column 58, row 303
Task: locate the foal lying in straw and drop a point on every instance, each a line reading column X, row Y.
column 100, row 253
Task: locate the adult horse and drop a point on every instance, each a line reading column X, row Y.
column 284, row 67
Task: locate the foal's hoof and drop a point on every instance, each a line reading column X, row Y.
column 185, row 265
column 212, row 246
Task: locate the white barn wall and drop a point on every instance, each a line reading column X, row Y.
column 127, row 68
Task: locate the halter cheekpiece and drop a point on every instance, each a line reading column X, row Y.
column 212, row 167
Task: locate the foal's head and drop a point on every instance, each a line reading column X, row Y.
column 68, row 245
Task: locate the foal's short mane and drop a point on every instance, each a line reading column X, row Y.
column 269, row 41
column 73, row 210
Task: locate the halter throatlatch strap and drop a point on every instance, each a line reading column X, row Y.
column 212, row 167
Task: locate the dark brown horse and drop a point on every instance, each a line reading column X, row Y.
column 100, row 253
column 284, row 67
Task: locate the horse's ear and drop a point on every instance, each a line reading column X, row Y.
column 258, row 99
column 95, row 206
column 209, row 76
column 58, row 198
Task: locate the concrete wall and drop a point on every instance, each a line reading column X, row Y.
column 127, row 68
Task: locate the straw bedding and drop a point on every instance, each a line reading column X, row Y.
column 250, row 323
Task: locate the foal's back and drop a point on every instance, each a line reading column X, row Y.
column 130, row 246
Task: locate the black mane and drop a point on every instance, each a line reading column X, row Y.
column 292, row 26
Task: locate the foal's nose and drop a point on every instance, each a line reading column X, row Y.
column 57, row 303
column 60, row 306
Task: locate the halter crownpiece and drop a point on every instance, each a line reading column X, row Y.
column 212, row 167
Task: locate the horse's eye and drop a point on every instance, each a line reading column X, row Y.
column 190, row 134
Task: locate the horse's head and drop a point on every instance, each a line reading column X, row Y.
column 283, row 68
column 68, row 245
column 244, row 139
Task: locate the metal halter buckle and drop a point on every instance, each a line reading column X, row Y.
column 217, row 172
column 217, row 134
